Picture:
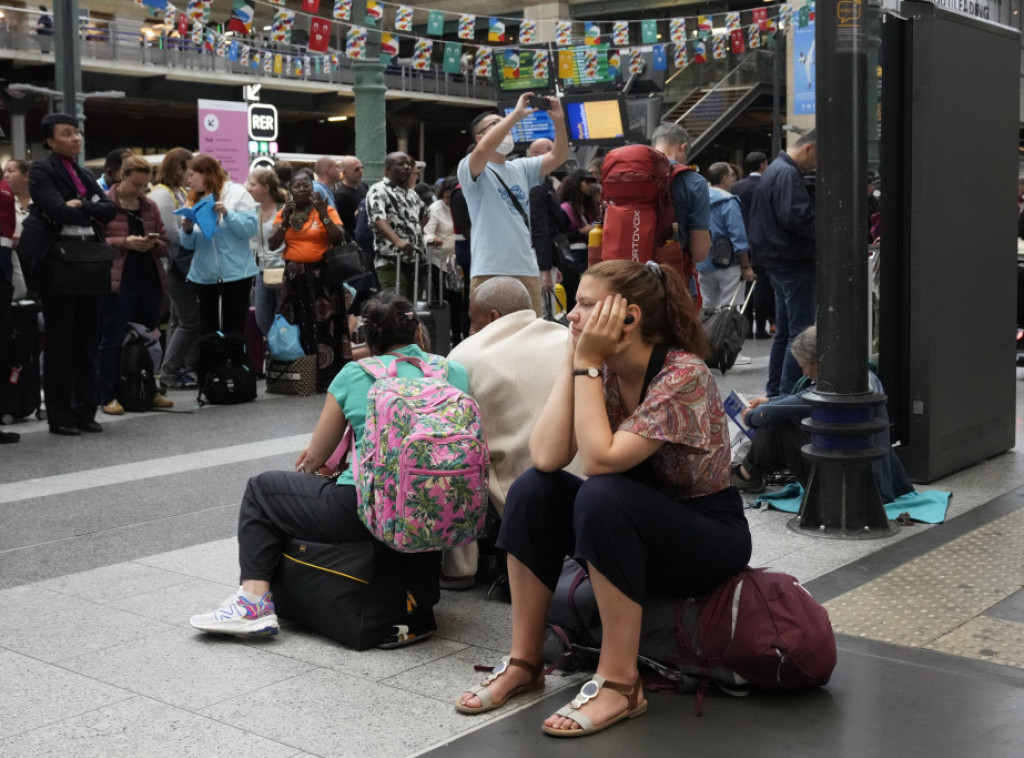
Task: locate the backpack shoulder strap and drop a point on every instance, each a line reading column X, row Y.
column 374, row 367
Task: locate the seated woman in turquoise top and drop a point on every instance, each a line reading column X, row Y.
column 282, row 505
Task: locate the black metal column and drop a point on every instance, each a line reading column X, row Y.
column 842, row 499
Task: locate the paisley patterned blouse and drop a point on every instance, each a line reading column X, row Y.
column 683, row 408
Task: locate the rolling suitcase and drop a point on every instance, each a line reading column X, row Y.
column 254, row 344
column 20, row 387
column 436, row 314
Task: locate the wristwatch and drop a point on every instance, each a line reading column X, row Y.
column 592, row 371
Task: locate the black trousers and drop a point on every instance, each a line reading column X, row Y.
column 282, row 505
column 777, row 446
column 223, row 307
column 644, row 541
column 6, row 341
column 69, row 356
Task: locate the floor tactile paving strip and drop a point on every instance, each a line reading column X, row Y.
column 934, row 601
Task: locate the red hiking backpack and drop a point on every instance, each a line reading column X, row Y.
column 636, row 185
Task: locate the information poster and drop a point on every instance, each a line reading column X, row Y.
column 224, row 134
column 803, row 70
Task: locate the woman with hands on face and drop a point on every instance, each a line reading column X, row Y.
column 308, row 227
column 657, row 515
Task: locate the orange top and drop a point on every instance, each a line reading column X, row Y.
column 310, row 243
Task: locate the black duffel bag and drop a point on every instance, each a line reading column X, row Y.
column 81, row 266
column 225, row 377
column 345, row 262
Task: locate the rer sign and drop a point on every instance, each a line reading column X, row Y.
column 262, row 122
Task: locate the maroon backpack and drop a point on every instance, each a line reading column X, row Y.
column 767, row 628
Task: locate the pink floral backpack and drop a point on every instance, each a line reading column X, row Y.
column 421, row 467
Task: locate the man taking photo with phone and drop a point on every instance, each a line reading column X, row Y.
column 497, row 192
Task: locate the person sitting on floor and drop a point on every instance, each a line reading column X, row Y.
column 280, row 505
column 779, row 434
column 512, row 358
column 657, row 515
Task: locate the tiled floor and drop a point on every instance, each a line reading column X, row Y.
column 109, row 544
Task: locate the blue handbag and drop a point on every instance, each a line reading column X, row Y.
column 283, row 340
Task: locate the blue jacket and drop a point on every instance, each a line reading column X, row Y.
column 226, row 257
column 726, row 221
column 782, row 217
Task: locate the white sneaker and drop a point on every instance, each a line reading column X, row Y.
column 741, row 360
column 240, row 616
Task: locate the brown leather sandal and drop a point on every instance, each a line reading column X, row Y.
column 632, row 692
column 536, row 670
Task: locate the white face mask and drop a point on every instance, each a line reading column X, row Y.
column 506, row 145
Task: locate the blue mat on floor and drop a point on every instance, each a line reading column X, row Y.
column 928, row 507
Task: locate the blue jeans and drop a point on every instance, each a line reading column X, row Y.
column 135, row 302
column 795, row 310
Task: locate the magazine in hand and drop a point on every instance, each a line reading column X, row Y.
column 202, row 215
column 734, row 406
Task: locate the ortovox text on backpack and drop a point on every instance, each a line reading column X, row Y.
column 421, row 467
column 636, row 185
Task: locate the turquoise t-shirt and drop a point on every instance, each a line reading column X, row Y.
column 352, row 384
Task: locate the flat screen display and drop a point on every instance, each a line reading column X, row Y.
column 516, row 73
column 585, row 66
column 534, row 126
column 595, row 120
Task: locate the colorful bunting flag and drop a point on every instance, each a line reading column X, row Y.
column 183, row 25
column 310, row 6
column 435, row 23
column 157, row 4
column 421, row 54
column 677, row 30
column 682, row 59
column 325, row 64
column 614, row 62
column 467, row 26
column 636, row 62
column 279, row 3
column 785, row 14
column 737, row 41
column 197, row 34
column 620, row 33
column 732, row 21
column 452, row 57
column 510, row 64
column 279, row 64
column 268, row 63
column 659, row 58
column 355, row 43
column 703, row 25
column 649, row 31
column 563, row 33
column 284, row 21
column 700, row 52
column 374, row 11
column 342, row 10
column 803, row 17
column 403, row 18
column 241, row 18
column 388, row 46
column 495, row 30
column 319, row 34
column 484, row 62
column 592, row 34
column 753, row 37
column 718, row 47
column 591, row 63
column 223, row 43
column 196, row 11
column 298, row 65
column 566, row 64
column 759, row 16
column 540, row 64
column 527, row 31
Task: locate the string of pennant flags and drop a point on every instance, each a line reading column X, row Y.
column 691, row 39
